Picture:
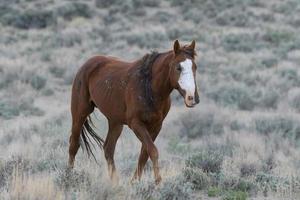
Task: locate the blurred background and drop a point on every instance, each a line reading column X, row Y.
column 241, row 142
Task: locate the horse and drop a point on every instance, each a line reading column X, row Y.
column 136, row 94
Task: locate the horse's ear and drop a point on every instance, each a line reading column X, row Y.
column 192, row 45
column 176, row 47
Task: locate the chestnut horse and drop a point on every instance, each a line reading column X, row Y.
column 136, row 94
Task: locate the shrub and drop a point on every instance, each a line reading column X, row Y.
column 38, row 82
column 240, row 42
column 235, row 195
column 27, row 108
column 30, row 19
column 175, row 188
column 233, row 96
column 285, row 127
column 208, row 161
column 236, row 17
column 8, row 110
column 273, row 125
column 268, row 98
column 47, row 92
column 200, row 124
column 71, row 10
column 294, row 99
column 197, row 177
column 247, row 169
column 105, row 3
column 11, row 109
column 193, row 15
column 145, row 190
column 245, row 185
column 236, row 125
column 146, row 40
column 214, row 191
column 277, row 37
column 288, row 78
column 8, row 78
column 176, row 146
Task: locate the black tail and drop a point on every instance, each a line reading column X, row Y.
column 87, row 132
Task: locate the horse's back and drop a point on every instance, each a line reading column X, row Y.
column 105, row 81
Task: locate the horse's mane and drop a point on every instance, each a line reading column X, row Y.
column 145, row 72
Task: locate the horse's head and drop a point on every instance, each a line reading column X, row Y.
column 183, row 73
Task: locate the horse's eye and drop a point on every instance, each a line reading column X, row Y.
column 178, row 67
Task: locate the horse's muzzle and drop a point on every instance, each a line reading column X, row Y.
column 190, row 101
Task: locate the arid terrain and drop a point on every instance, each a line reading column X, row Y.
column 241, row 142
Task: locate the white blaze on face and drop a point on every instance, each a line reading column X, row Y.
column 186, row 79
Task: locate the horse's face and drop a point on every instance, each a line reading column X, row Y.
column 183, row 73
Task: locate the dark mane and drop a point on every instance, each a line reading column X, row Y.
column 145, row 72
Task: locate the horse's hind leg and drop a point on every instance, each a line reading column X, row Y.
column 80, row 111
column 113, row 134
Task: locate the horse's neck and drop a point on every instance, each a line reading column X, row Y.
column 161, row 85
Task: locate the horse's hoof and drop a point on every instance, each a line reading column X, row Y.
column 158, row 180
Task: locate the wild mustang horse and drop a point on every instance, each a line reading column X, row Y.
column 136, row 94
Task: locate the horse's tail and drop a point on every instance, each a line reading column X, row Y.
column 87, row 132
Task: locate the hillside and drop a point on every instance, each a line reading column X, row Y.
column 241, row 142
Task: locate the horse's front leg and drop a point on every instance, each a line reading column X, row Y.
column 154, row 131
column 144, row 136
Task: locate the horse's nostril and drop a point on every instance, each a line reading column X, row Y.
column 190, row 98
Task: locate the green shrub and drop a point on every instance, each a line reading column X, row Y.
column 105, row 3
column 207, row 160
column 8, row 78
column 285, row 7
column 8, row 110
column 233, row 96
column 175, row 188
column 214, row 191
column 176, row 146
column 143, row 190
column 268, row 98
column 38, row 82
column 236, row 125
column 277, row 37
column 245, row 185
column 47, row 92
column 200, row 124
column 294, row 99
column 11, row 109
column 241, row 42
column 235, row 195
column 273, row 125
column 236, row 17
column 146, row 40
column 247, row 169
column 197, row 177
column 30, row 19
column 71, row 10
